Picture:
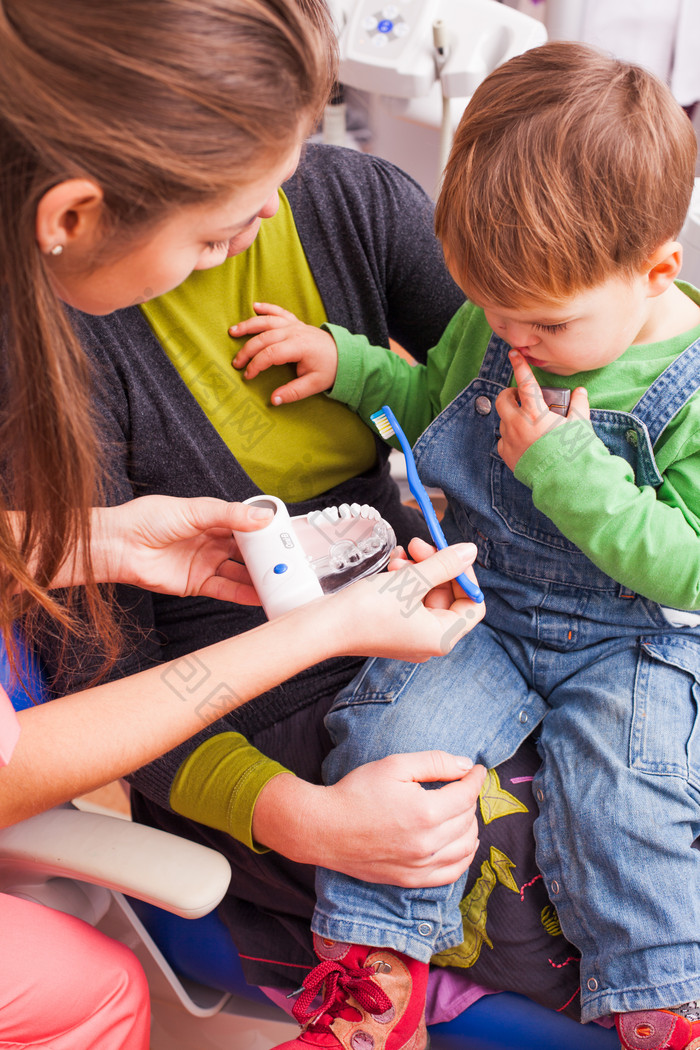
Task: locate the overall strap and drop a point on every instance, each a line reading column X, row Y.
column 670, row 392
column 658, row 405
column 496, row 365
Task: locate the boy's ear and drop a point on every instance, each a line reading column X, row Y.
column 663, row 267
column 68, row 214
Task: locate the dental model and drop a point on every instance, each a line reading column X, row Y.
column 294, row 560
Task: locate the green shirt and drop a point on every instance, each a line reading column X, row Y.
column 647, row 539
column 320, row 443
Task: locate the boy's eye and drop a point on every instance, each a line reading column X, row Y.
column 551, row 328
column 216, row 246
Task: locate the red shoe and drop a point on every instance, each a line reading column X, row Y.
column 373, row 999
column 657, row 1030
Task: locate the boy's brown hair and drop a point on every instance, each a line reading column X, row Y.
column 568, row 167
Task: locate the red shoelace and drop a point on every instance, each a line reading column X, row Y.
column 340, row 982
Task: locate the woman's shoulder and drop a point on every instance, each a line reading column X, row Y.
column 323, row 169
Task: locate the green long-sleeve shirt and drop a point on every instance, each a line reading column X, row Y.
column 647, row 539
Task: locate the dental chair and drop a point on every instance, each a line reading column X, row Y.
column 158, row 894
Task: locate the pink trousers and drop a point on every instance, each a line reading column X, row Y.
column 65, row 986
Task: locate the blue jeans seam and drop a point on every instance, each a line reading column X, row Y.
column 602, row 1003
column 354, row 932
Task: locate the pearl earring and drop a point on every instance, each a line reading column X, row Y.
column 57, row 249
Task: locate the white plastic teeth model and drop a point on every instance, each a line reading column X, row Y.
column 329, row 514
column 293, row 560
column 345, row 510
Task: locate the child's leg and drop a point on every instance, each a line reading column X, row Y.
column 65, row 985
column 475, row 702
column 619, row 797
column 374, row 941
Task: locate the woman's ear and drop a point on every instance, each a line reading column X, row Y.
column 663, row 267
column 68, row 216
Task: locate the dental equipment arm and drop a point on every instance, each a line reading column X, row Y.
column 389, row 48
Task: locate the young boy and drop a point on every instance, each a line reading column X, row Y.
column 567, row 184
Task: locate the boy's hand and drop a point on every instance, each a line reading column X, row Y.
column 524, row 414
column 280, row 338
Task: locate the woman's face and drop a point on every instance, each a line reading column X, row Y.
column 195, row 237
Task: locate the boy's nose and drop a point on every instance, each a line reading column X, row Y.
column 520, row 336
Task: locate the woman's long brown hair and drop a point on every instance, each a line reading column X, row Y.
column 163, row 103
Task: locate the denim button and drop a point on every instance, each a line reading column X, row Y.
column 554, row 886
column 425, row 929
column 632, row 438
column 592, row 984
column 482, row 405
column 540, row 795
column 522, row 717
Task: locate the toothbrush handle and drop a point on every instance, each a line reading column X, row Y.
column 418, row 489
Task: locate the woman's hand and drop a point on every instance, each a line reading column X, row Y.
column 412, row 613
column 524, row 414
column 443, row 596
column 377, row 823
column 279, row 338
column 176, row 546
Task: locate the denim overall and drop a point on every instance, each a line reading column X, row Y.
column 613, row 686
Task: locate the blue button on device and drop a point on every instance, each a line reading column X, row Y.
column 385, row 26
column 279, row 569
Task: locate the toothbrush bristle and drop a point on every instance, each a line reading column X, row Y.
column 382, row 424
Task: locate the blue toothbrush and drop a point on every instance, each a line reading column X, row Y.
column 388, row 426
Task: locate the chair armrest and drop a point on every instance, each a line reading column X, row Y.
column 154, row 866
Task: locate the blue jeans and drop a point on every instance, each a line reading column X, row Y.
column 618, row 793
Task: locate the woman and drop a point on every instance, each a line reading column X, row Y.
column 165, row 380
column 134, row 139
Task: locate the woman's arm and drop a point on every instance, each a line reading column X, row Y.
column 393, row 830
column 378, row 823
column 75, row 744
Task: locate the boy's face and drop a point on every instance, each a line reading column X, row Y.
column 587, row 331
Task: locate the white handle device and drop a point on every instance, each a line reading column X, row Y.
column 278, row 566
